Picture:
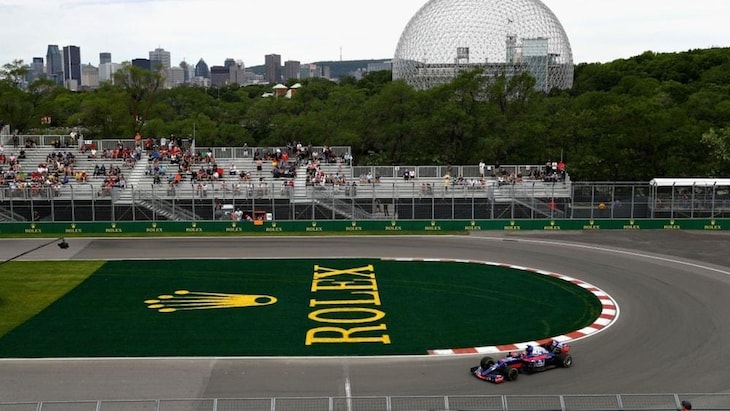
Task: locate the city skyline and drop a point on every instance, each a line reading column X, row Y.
column 326, row 31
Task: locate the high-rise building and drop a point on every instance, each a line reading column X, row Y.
column 201, row 69
column 107, row 70
column 291, row 69
column 175, row 77
column 89, row 76
column 188, row 71
column 142, row 63
column 159, row 58
column 36, row 69
column 236, row 71
column 105, row 57
column 218, row 76
column 72, row 67
column 54, row 64
column 272, row 66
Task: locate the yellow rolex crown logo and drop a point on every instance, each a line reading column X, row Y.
column 314, row 223
column 183, row 300
column 353, row 223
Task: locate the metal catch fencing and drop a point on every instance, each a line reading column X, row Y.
column 603, row 402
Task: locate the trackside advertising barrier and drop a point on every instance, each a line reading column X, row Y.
column 338, row 227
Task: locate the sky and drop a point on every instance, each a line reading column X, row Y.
column 324, row 30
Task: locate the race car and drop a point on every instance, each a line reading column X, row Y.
column 551, row 354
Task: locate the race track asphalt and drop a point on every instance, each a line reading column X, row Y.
column 672, row 334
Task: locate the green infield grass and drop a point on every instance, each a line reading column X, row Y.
column 29, row 287
column 290, row 307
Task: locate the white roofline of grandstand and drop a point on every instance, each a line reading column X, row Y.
column 690, row 182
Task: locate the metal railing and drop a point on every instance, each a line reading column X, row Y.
column 644, row 402
column 389, row 199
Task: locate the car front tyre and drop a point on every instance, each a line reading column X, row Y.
column 486, row 362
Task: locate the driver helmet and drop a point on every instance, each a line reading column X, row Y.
column 529, row 349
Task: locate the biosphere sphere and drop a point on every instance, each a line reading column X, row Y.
column 506, row 37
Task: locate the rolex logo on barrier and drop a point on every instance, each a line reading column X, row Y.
column 632, row 225
column 234, row 228
column 113, row 229
column 713, row 225
column 472, row 226
column 672, row 225
column 274, row 228
column 512, row 226
column 193, row 228
column 153, row 229
column 433, row 227
column 314, row 227
column 184, row 300
column 393, row 226
column 592, row 225
column 552, row 226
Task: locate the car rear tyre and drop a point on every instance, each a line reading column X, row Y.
column 486, row 362
column 566, row 360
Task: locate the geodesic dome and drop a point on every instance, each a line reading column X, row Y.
column 500, row 36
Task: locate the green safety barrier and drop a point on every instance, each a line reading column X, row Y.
column 163, row 228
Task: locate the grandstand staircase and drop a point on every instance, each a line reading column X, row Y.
column 139, row 182
column 135, row 178
column 168, row 210
column 323, row 198
column 8, row 215
column 540, row 207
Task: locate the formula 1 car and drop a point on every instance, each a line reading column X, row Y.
column 551, row 354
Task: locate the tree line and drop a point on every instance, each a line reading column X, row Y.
column 652, row 115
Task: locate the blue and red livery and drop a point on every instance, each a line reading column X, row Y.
column 551, row 354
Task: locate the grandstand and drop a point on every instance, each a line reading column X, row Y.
column 138, row 182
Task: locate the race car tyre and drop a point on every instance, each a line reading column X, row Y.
column 566, row 360
column 486, row 362
column 512, row 374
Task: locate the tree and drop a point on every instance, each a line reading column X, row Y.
column 718, row 141
column 14, row 73
column 388, row 133
column 141, row 87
